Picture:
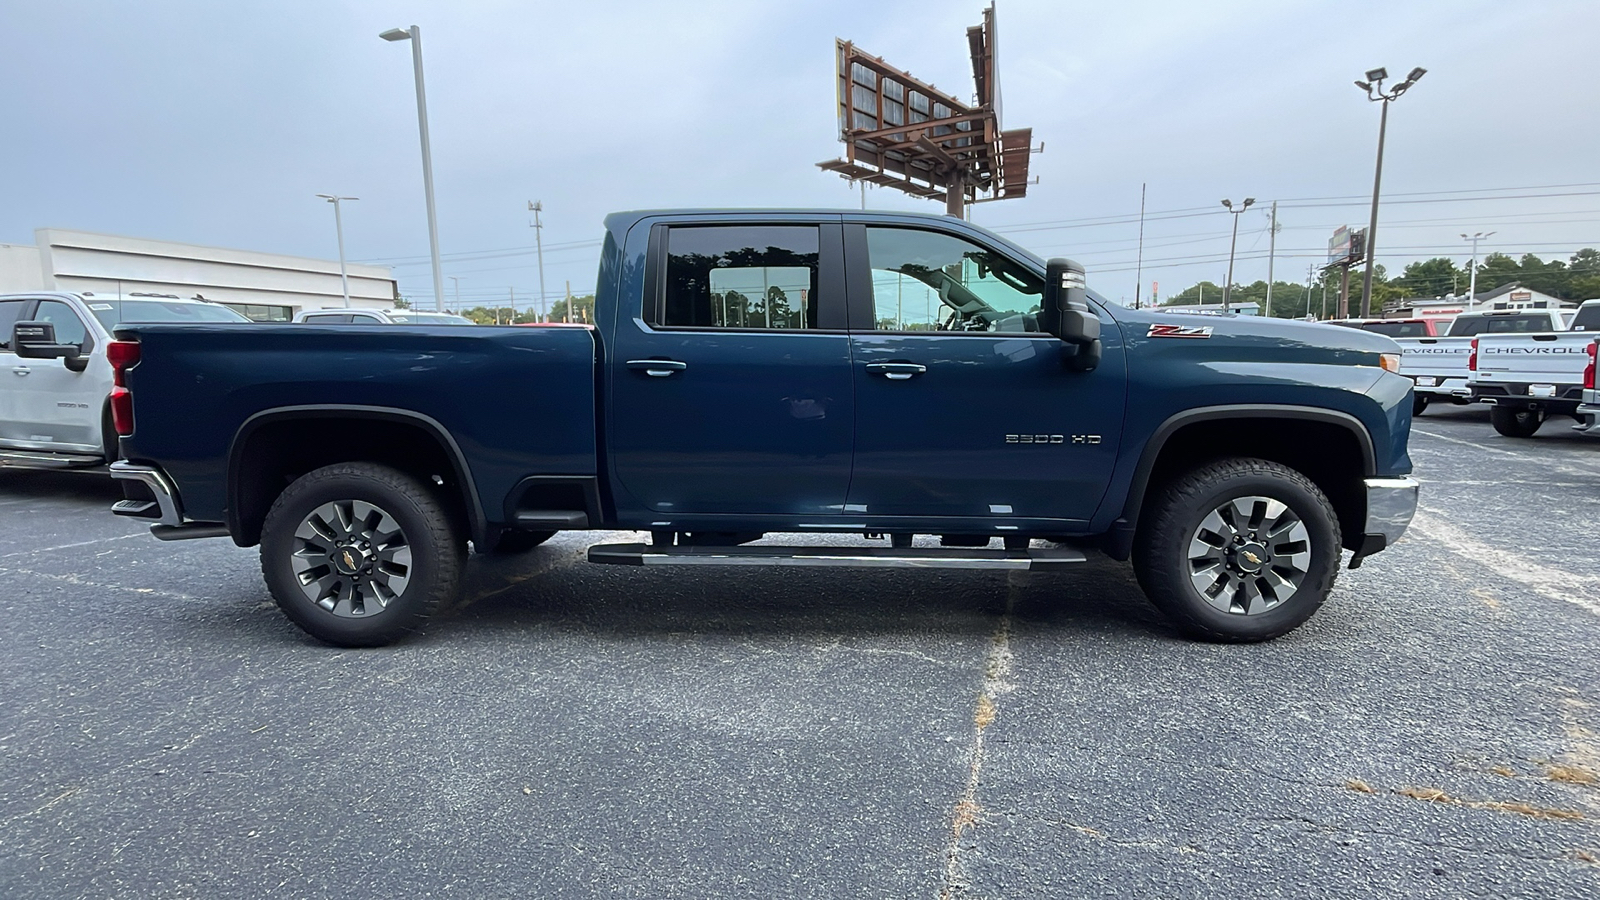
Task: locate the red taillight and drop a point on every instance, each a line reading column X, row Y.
column 1472, row 358
column 122, row 411
column 1588, row 371
column 122, row 355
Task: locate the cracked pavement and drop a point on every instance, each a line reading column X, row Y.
column 575, row 730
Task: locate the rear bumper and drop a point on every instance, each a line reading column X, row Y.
column 1517, row 395
column 166, row 508
column 1441, row 388
column 1588, row 418
column 1391, row 502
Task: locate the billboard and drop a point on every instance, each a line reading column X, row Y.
column 904, row 133
column 1348, row 246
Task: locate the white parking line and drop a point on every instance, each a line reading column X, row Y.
column 1581, row 591
column 120, row 537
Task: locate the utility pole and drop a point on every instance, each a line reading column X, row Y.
column 568, row 316
column 538, row 237
column 511, row 294
column 1272, row 254
column 338, row 227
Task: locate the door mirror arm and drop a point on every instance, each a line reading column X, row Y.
column 1066, row 313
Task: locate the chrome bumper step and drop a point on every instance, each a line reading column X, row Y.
column 1042, row 559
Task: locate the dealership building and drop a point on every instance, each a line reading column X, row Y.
column 266, row 287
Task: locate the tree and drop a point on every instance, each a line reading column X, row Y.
column 1431, row 278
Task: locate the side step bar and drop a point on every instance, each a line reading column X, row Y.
column 40, row 459
column 1043, row 559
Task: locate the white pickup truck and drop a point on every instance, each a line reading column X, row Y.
column 1437, row 366
column 55, row 413
column 1528, row 376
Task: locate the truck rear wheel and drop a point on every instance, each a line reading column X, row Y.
column 1238, row 550
column 1517, row 423
column 359, row 554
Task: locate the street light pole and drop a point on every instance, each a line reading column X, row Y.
column 1472, row 287
column 1227, row 289
column 414, row 35
column 455, row 282
column 536, row 207
column 1375, row 92
column 338, row 228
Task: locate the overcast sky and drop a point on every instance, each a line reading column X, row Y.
column 216, row 123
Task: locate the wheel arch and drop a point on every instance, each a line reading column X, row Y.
column 252, row 468
column 1195, row 429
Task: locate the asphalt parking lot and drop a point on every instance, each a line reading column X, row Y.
column 576, row 730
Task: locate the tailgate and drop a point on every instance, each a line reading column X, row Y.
column 1533, row 358
column 1440, row 357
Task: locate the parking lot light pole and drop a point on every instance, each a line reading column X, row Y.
column 1375, row 92
column 338, row 229
column 1472, row 284
column 414, row 35
column 1227, row 289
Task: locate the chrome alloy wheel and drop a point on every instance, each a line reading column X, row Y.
column 351, row 558
column 1249, row 555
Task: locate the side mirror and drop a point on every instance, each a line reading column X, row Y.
column 1066, row 313
column 37, row 340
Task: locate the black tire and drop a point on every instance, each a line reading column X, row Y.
column 516, row 540
column 1175, row 518
column 1419, row 402
column 1517, row 423
column 418, row 565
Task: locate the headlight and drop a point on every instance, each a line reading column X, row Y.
column 1390, row 362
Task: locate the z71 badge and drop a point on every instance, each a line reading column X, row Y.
column 1179, row 331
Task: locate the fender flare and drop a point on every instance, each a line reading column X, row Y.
column 478, row 523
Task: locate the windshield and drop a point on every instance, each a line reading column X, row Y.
column 112, row 313
column 1526, row 323
column 423, row 318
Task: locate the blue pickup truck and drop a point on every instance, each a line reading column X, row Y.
column 755, row 373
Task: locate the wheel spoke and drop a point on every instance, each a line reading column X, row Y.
column 1248, row 555
column 342, row 535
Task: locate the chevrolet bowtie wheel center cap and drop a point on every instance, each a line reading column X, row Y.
column 349, row 559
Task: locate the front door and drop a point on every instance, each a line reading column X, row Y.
column 58, row 408
column 730, row 387
column 963, row 408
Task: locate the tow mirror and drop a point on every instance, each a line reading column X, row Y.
column 37, row 340
column 1066, row 313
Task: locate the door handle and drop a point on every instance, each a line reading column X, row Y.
column 20, row 370
column 896, row 371
column 657, row 368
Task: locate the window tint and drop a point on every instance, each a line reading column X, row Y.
column 9, row 311
column 926, row 281
column 760, row 276
column 1398, row 329
column 1523, row 324
column 1588, row 319
column 69, row 328
column 331, row 319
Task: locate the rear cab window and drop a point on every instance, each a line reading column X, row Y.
column 745, row 277
column 1525, row 323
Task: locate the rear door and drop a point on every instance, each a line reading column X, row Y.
column 963, row 408
column 730, row 381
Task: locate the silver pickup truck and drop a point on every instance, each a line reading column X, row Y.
column 55, row 413
column 1528, row 376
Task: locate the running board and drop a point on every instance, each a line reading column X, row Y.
column 1042, row 559
column 42, row 459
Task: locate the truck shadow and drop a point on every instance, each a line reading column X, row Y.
column 92, row 487
column 504, row 595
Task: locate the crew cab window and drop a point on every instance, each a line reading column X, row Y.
column 69, row 328
column 928, row 281
column 1515, row 324
column 1398, row 329
column 742, row 276
column 1588, row 319
column 10, row 310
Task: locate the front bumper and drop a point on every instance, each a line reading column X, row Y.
column 167, row 509
column 1391, row 502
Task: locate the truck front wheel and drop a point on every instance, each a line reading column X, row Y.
column 1238, row 550
column 359, row 554
column 1517, row 423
